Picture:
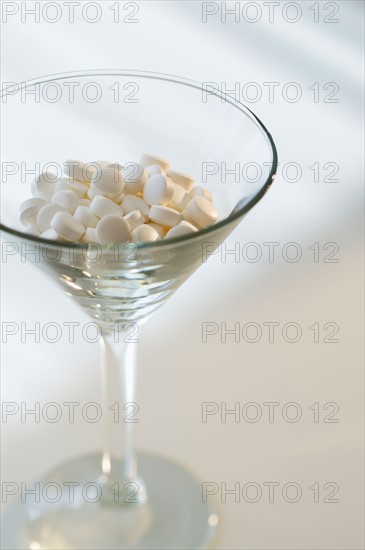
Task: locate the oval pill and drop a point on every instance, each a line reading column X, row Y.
column 132, row 202
column 158, row 189
column 78, row 170
column 108, row 180
column 119, row 199
column 93, row 192
column 52, row 235
column 67, row 226
column 46, row 214
column 183, row 228
column 159, row 228
column 89, row 236
column 186, row 217
column 134, row 219
column 47, row 196
column 165, row 215
column 144, row 233
column 135, row 176
column 100, row 164
column 112, row 229
column 147, row 160
column 65, row 184
column 84, row 202
column 44, row 183
column 67, row 199
column 198, row 191
column 86, row 216
column 201, row 211
column 180, row 198
column 29, row 210
column 182, row 179
column 101, row 206
column 155, row 169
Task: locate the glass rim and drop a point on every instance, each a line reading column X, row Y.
column 235, row 214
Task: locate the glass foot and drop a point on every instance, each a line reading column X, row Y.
column 174, row 516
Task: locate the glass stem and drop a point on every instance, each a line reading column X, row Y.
column 119, row 463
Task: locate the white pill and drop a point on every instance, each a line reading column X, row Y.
column 51, row 235
column 46, row 214
column 144, row 233
column 100, row 164
column 147, row 160
column 86, row 216
column 183, row 228
column 182, row 179
column 132, row 202
column 79, row 171
column 159, row 228
column 155, row 169
column 44, row 183
column 29, row 210
column 187, row 217
column 165, row 215
column 134, row 219
column 84, row 202
column 89, row 236
column 93, row 192
column 135, row 176
column 158, row 190
column 201, row 211
column 65, row 184
column 68, row 199
column 67, row 226
column 198, row 191
column 119, row 198
column 180, row 198
column 47, row 196
column 109, row 181
column 101, row 206
column 112, row 229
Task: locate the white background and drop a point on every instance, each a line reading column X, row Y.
column 178, row 372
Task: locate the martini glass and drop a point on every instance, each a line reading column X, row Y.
column 139, row 500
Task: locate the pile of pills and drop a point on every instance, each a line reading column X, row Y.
column 104, row 202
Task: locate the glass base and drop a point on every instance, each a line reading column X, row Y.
column 174, row 516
